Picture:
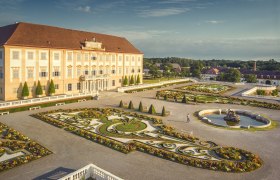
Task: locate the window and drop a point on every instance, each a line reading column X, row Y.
column 43, row 88
column 30, row 55
column 69, row 72
column 69, row 56
column 78, row 71
column 86, row 72
column 139, row 70
column 15, row 55
column 113, row 83
column 127, row 58
column 120, row 80
column 133, row 58
column 113, row 71
column 56, row 86
column 139, row 59
column 30, row 73
column 120, row 70
column 43, row 56
column 120, row 58
column 43, row 74
column 107, row 57
column 69, row 87
column 126, row 70
column 100, row 72
column 132, row 71
column 56, row 56
column 1, row 55
column 78, row 86
column 79, row 57
column 15, row 73
column 113, row 58
column 56, row 73
column 86, row 57
column 93, row 73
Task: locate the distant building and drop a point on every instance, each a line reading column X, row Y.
column 176, row 67
column 211, row 73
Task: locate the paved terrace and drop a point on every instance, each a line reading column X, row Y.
column 73, row 152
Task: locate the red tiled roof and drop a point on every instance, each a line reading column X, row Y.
column 35, row 35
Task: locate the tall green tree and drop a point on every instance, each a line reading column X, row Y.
column 140, row 107
column 250, row 78
column 25, row 90
column 131, row 82
column 39, row 90
column 163, row 112
column 152, row 110
column 51, row 88
column 121, row 104
column 138, row 81
column 130, row 106
column 125, row 81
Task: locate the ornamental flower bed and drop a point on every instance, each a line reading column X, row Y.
column 101, row 125
column 24, row 150
column 177, row 96
column 207, row 88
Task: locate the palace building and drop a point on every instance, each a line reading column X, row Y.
column 76, row 61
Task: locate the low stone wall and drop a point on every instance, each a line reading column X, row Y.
column 255, row 116
column 142, row 86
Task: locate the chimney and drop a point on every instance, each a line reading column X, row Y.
column 255, row 66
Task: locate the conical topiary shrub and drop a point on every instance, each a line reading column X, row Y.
column 39, row 90
column 163, row 113
column 130, row 106
column 184, row 100
column 125, row 81
column 121, row 104
column 131, row 82
column 51, row 88
column 152, row 110
column 165, row 97
column 25, row 91
column 138, row 81
column 140, row 107
column 195, row 99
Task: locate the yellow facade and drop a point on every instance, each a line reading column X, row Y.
column 93, row 70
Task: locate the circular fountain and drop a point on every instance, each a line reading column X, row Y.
column 233, row 118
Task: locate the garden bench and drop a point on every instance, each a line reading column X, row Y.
column 34, row 108
column 59, row 104
column 4, row 113
column 82, row 100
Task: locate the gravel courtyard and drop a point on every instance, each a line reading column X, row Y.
column 73, row 152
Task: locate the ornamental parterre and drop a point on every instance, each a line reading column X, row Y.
column 129, row 131
column 17, row 149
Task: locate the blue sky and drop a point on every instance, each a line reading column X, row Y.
column 199, row 29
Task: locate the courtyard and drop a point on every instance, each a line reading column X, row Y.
column 71, row 151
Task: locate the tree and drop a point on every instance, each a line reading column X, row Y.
column 152, row 110
column 260, row 92
column 138, row 81
column 165, row 97
column 250, row 78
column 163, row 113
column 130, row 106
column 274, row 92
column 140, row 107
column 121, row 104
column 131, row 82
column 125, row 81
column 25, row 90
column 51, row 88
column 184, row 100
column 232, row 75
column 39, row 90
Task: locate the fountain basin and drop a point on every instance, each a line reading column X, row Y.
column 248, row 119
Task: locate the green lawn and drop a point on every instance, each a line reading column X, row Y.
column 151, row 81
column 131, row 127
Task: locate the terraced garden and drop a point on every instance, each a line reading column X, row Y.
column 129, row 131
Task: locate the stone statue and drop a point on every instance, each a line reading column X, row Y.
column 231, row 116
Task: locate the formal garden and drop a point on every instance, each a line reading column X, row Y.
column 207, row 88
column 17, row 149
column 129, row 131
column 194, row 98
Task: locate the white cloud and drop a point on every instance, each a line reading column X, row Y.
column 162, row 12
column 214, row 22
column 86, row 9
